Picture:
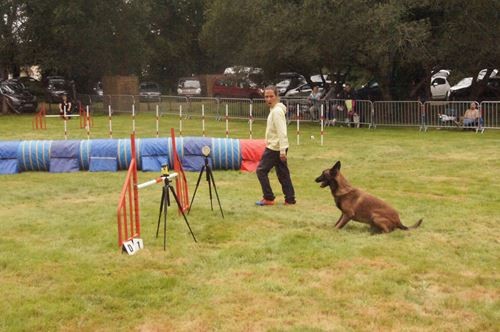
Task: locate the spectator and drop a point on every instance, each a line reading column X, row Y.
column 314, row 100
column 472, row 117
column 64, row 106
column 349, row 100
column 275, row 154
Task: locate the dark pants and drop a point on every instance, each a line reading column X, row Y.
column 269, row 160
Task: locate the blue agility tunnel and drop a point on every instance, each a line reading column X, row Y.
column 110, row 155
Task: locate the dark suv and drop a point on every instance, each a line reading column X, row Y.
column 232, row 87
column 16, row 98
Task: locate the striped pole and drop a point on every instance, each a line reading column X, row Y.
column 322, row 123
column 250, row 121
column 157, row 122
column 65, row 124
column 203, row 119
column 180, row 120
column 133, row 119
column 110, row 126
column 298, row 124
column 227, row 121
column 87, row 120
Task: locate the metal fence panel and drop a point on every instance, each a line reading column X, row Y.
column 397, row 113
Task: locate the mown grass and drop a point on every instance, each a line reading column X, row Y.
column 261, row 268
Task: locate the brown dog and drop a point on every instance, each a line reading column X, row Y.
column 358, row 205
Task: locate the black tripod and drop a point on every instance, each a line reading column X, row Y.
column 164, row 204
column 211, row 181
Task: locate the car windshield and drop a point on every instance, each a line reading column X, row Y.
column 464, row 82
column 57, row 85
column 194, row 84
column 283, row 84
column 149, row 87
column 9, row 88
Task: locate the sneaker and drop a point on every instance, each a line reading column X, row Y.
column 264, row 202
column 290, row 203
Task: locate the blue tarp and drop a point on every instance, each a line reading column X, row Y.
column 65, row 156
column 103, row 155
column 8, row 157
column 193, row 158
column 154, row 154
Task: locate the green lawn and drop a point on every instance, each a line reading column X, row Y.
column 279, row 268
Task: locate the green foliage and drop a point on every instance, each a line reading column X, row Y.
column 261, row 268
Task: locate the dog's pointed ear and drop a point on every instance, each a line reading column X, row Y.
column 335, row 168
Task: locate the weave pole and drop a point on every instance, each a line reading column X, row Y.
column 157, row 121
column 227, row 120
column 203, row 119
column 87, row 119
column 180, row 120
column 65, row 124
column 322, row 119
column 110, row 125
column 250, row 120
column 298, row 125
column 133, row 119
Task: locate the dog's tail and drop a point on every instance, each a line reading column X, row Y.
column 417, row 224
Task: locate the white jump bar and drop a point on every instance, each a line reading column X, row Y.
column 171, row 176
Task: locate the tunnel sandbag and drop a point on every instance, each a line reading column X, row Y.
column 64, row 156
column 9, row 163
column 103, row 155
column 124, row 153
column 193, row 159
column 154, row 154
column 226, row 153
column 251, row 152
column 34, row 155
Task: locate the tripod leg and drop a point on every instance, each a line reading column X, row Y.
column 180, row 209
column 215, row 189
column 210, row 188
column 167, row 203
column 162, row 203
column 196, row 188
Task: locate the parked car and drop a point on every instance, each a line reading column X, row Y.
column 189, row 86
column 16, row 98
column 234, row 87
column 303, row 91
column 369, row 91
column 440, row 87
column 462, row 90
column 32, row 85
column 289, row 80
column 56, row 87
column 149, row 91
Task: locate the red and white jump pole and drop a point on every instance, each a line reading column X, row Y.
column 87, row 121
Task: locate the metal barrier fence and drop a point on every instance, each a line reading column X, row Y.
column 431, row 114
column 397, row 113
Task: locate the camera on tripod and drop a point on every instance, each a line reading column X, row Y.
column 164, row 170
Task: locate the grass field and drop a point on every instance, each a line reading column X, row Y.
column 279, row 268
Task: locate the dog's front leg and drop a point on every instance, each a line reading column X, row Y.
column 343, row 220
